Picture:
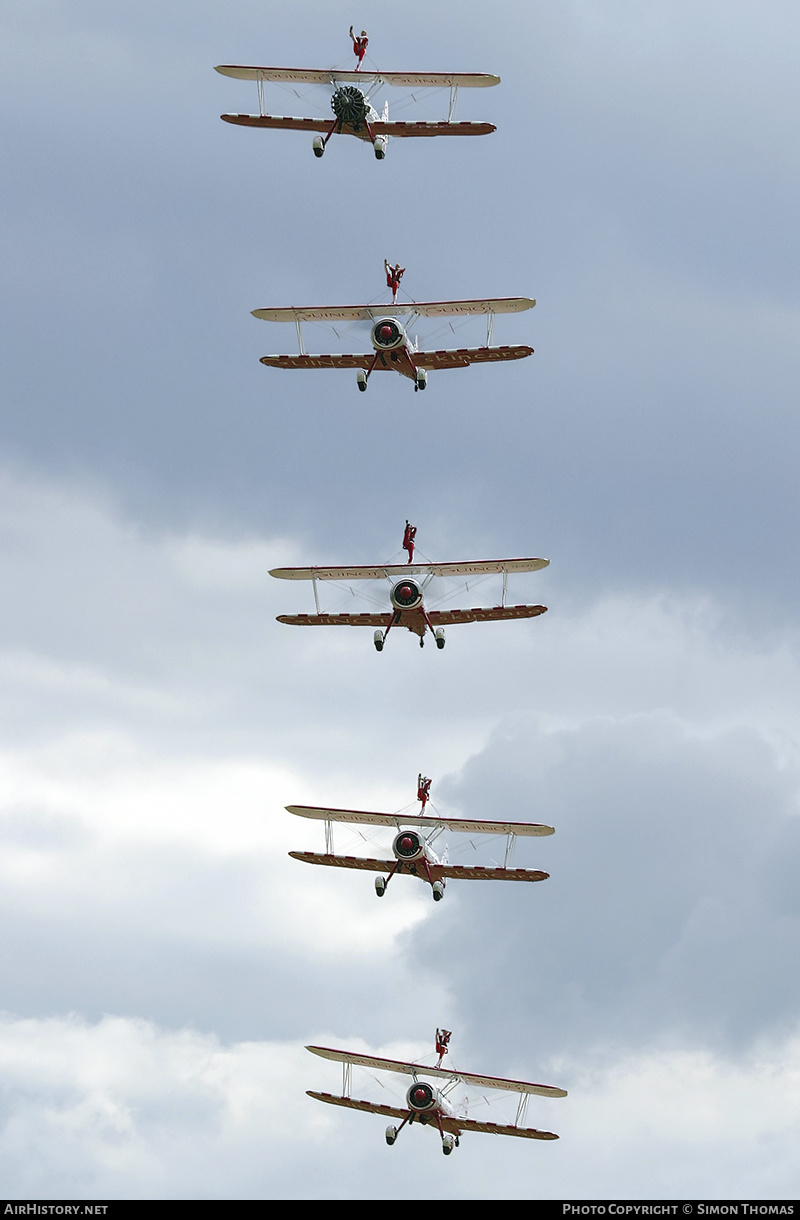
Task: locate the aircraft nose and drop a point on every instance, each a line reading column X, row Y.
column 407, row 843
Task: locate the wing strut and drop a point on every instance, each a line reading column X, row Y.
column 451, row 114
column 522, row 1109
column 302, row 353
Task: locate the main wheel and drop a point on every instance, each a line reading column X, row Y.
column 380, row 886
column 438, row 891
column 422, row 379
column 361, row 380
column 439, row 637
column 377, row 640
column 318, row 146
column 391, row 1135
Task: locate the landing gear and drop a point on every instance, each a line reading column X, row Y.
column 361, row 376
column 448, row 1143
column 377, row 640
column 438, row 890
column 318, row 144
column 421, row 379
column 391, row 1135
column 379, row 144
column 438, row 635
column 380, row 890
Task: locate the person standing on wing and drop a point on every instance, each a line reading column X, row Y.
column 423, row 790
column 408, row 540
column 359, row 45
column 393, row 277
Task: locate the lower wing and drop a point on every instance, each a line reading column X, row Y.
column 369, row 1107
column 460, row 357
column 469, row 1124
column 318, row 857
column 479, row 614
column 317, row 362
column 476, row 872
column 336, row 620
column 457, row 872
column 378, row 127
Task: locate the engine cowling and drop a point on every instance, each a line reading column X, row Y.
column 422, row 1097
column 408, row 845
column 349, row 105
column 406, row 594
column 387, row 335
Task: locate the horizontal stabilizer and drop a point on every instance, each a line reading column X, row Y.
column 357, row 817
column 329, row 76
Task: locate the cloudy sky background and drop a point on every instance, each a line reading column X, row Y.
column 163, row 960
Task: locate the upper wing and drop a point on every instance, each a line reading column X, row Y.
column 416, row 1069
column 478, row 614
column 392, row 571
column 461, row 357
column 328, row 76
column 423, row 309
column 457, row 825
column 377, row 127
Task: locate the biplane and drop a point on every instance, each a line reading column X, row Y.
column 392, row 348
column 412, row 846
column 428, row 1105
column 408, row 583
column 352, row 94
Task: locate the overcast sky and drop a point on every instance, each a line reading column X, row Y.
column 164, row 962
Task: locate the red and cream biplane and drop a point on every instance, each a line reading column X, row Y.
column 430, row 1106
column 352, row 103
column 407, row 607
column 413, row 850
column 392, row 347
